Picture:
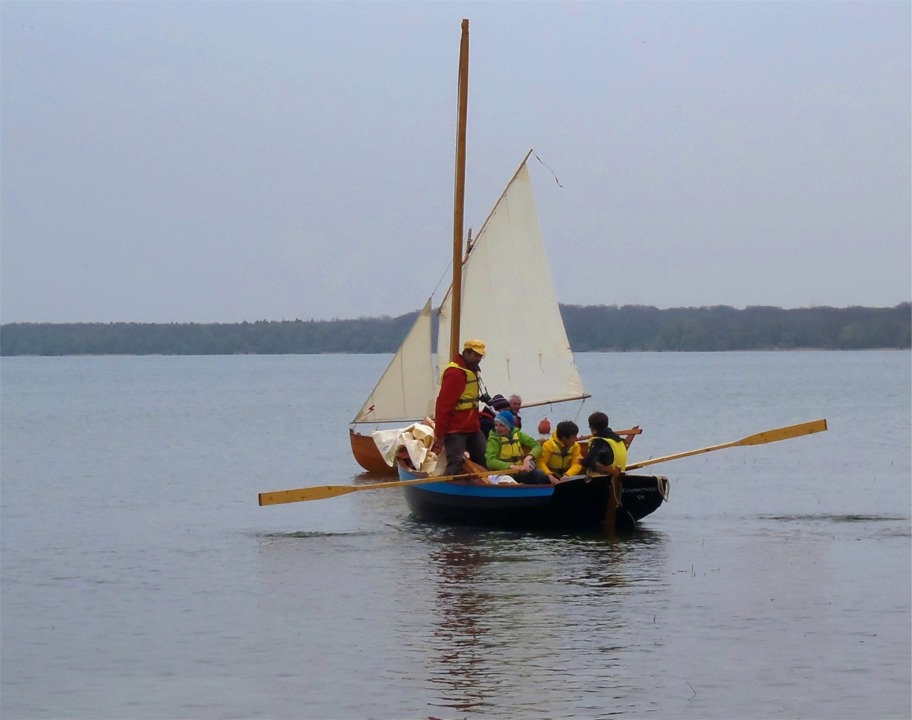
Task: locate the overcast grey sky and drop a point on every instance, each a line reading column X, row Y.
column 228, row 161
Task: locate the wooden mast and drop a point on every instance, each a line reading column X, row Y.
column 459, row 195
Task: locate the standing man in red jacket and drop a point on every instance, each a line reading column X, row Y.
column 457, row 427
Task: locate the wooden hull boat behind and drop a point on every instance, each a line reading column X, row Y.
column 579, row 504
column 366, row 454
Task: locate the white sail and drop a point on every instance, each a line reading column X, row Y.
column 508, row 301
column 406, row 391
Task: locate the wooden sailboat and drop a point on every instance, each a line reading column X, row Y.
column 507, row 298
column 528, row 353
column 405, row 393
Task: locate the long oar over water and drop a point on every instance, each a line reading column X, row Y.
column 767, row 436
column 322, row 492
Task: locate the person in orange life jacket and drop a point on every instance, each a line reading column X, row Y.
column 561, row 455
column 512, row 449
column 492, row 406
column 515, row 407
column 607, row 450
column 456, row 421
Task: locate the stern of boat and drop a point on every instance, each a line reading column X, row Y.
column 366, row 454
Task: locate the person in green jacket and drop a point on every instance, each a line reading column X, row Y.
column 511, row 449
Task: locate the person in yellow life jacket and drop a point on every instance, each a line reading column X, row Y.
column 511, row 449
column 607, row 450
column 561, row 456
column 456, row 423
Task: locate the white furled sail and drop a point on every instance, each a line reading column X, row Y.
column 407, row 390
column 509, row 302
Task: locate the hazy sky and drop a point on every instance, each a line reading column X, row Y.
column 228, row 161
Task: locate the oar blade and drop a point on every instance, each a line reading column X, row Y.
column 320, row 492
column 761, row 438
column 785, row 433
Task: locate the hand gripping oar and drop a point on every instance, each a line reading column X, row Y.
column 322, row 492
column 767, row 436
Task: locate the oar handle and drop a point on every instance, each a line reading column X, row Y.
column 636, row 430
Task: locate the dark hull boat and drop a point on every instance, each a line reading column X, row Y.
column 578, row 504
column 528, row 353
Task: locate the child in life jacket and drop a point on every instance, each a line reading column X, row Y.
column 607, row 450
column 561, row 456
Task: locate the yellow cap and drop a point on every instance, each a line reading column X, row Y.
column 476, row 345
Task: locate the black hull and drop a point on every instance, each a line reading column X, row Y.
column 575, row 505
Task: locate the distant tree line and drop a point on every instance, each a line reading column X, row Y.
column 637, row 327
column 589, row 328
column 364, row 335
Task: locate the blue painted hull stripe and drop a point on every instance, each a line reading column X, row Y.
column 488, row 491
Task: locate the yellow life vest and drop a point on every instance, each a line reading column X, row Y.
column 560, row 460
column 469, row 398
column 620, row 452
column 511, row 450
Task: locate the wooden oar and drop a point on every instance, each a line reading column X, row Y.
column 322, row 492
column 767, row 436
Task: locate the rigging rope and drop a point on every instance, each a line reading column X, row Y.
column 549, row 170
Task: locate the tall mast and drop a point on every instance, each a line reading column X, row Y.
column 459, row 199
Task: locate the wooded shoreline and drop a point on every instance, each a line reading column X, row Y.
column 589, row 328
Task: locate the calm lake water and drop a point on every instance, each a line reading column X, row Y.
column 141, row 580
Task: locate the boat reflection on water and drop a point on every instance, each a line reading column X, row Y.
column 462, row 624
column 516, row 609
